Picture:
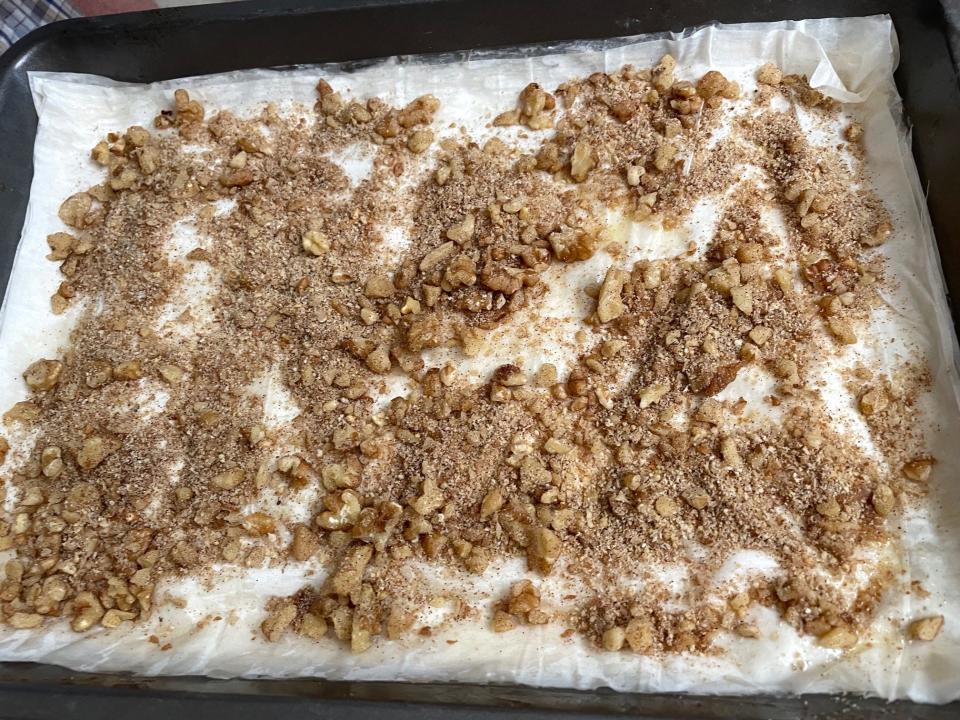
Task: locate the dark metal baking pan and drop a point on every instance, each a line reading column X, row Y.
column 206, row 39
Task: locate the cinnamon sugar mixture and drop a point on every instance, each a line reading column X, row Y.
column 155, row 455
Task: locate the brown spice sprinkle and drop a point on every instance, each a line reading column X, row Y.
column 586, row 475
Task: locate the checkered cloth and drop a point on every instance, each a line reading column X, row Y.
column 18, row 17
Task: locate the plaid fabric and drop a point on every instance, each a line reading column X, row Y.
column 18, row 17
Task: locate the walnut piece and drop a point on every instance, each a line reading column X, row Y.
column 43, row 375
column 842, row 330
column 769, row 74
column 437, row 255
column 613, row 639
column 419, row 141
column 462, row 232
column 61, row 245
column 315, row 243
column 305, row 543
column 430, row 500
column 349, row 573
column 873, row 401
column 75, row 209
column 639, row 634
column 883, row 500
column 228, row 479
column 93, row 451
column 502, row 622
column 918, row 470
column 609, row 303
column 492, row 502
column 926, row 629
column 838, row 638
column 543, row 549
column 278, row 621
column 582, row 161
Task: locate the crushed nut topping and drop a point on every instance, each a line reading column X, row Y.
column 626, row 458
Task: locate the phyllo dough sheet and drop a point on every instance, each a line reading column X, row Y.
column 565, row 384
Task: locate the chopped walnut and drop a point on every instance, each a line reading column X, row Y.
column 492, row 502
column 228, row 479
column 926, row 629
column 842, row 330
column 829, row 508
column 462, row 232
column 61, row 245
column 75, row 210
column 379, row 360
column 87, row 612
column 666, row 506
column 43, row 375
column 437, row 255
column 663, row 73
column 379, row 287
column 571, row 245
column 714, row 84
column 663, row 157
column 536, row 107
column 25, row 412
column 742, row 297
column 696, row 498
column 639, row 635
column 883, row 500
column 729, row 452
column 113, row 618
column 349, row 573
column 278, row 621
column 582, row 161
column 613, row 639
column 419, row 141
column 543, row 549
column 652, row 394
column 546, row 375
column 237, row 178
column 93, row 451
column 918, row 470
column 747, row 630
column 760, row 334
column 502, row 622
column 555, row 446
column 633, row 174
column 128, row 370
column 25, row 621
column 343, row 510
column 787, row 371
column 171, row 374
column 878, row 236
column 769, row 74
column 187, row 111
column 430, row 500
column 838, row 638
column 609, row 303
column 305, row 543
column 873, row 401
column 710, row 411
column 315, row 243
column 419, row 112
column 58, row 304
column 51, row 462
column 853, row 132
column 508, row 117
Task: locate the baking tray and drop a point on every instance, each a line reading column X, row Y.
column 165, row 44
